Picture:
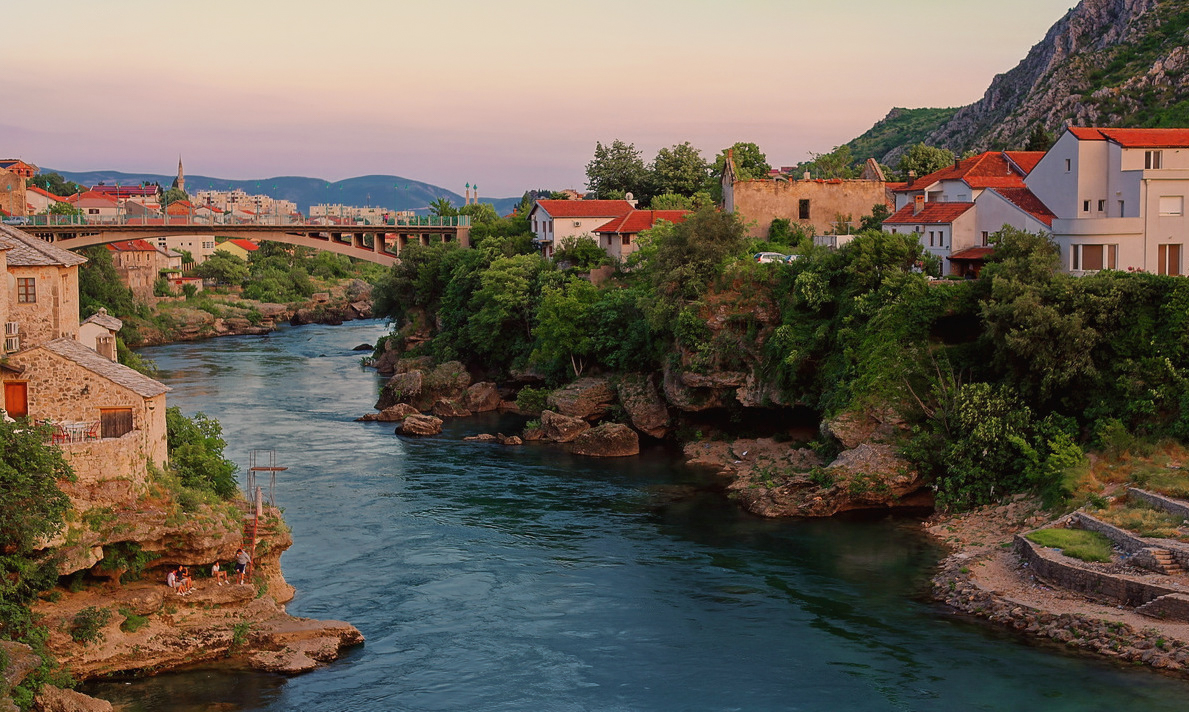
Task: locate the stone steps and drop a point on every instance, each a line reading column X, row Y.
column 1165, row 562
column 1172, row 606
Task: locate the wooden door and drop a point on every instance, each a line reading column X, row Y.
column 114, row 422
column 16, row 399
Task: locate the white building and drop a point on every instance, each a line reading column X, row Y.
column 555, row 220
column 233, row 201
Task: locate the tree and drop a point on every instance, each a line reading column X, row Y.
column 1039, row 139
column 196, row 453
column 63, row 208
column 562, row 336
column 501, row 310
column 54, row 183
column 173, row 195
column 682, row 259
column 99, row 285
column 874, row 221
column 680, row 170
column 750, row 162
column 673, row 201
column 224, row 268
column 616, row 170
column 581, row 251
column 443, row 208
column 925, row 159
column 838, row 163
column 480, row 213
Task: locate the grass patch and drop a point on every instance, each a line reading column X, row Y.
column 132, row 621
column 1076, row 543
column 1143, row 520
column 1171, row 483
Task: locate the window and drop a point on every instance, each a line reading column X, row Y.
column 627, row 240
column 803, row 209
column 1169, row 260
column 1120, row 208
column 985, row 238
column 577, row 223
column 1085, row 206
column 92, row 211
column 26, row 290
column 1102, row 206
column 1091, row 258
column 114, row 422
column 930, row 238
column 1068, row 165
column 1172, row 205
column 1153, row 160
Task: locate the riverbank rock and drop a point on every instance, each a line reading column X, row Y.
column 586, row 398
column 607, row 440
column 853, row 428
column 21, row 660
column 560, row 428
column 393, row 414
column 55, row 699
column 481, row 438
column 420, row 425
column 401, row 388
column 643, row 404
column 364, row 347
column 447, row 408
column 482, row 397
column 295, row 645
column 689, row 400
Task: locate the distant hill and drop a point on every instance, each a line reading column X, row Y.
column 901, row 127
column 386, row 191
column 1116, row 63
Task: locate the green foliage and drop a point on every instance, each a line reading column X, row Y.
column 196, row 453
column 532, row 400
column 99, row 286
column 674, row 201
column 1039, row 139
column 125, row 557
column 31, row 503
column 173, row 195
column 618, row 169
column 680, row 170
column 224, row 268
column 682, row 260
column 901, row 127
column 750, row 162
column 132, row 621
column 443, row 208
column 838, row 163
column 87, row 625
column 1141, row 519
column 581, row 252
column 54, row 183
column 924, row 160
column 563, row 334
column 135, row 361
column 162, row 287
column 1075, row 543
column 239, row 635
column 874, row 221
column 64, row 209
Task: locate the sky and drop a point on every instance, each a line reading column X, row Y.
column 508, row 95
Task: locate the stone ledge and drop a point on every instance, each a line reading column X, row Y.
column 1118, row 589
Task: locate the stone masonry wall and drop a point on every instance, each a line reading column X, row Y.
column 759, row 202
column 1129, row 542
column 12, row 193
column 55, row 313
column 1158, row 501
column 1045, row 565
column 109, row 473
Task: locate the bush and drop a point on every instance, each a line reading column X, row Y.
column 532, row 400
column 1075, row 543
column 87, row 625
column 196, row 453
column 132, row 621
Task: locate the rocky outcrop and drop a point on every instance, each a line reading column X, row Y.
column 482, row 397
column 420, row 425
column 55, row 699
column 294, row 645
column 586, row 398
column 559, row 428
column 423, row 388
column 392, row 414
column 607, row 440
column 21, row 660
column 687, row 399
column 643, row 404
column 447, row 408
column 401, row 388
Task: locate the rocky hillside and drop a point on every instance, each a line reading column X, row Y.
column 1106, row 63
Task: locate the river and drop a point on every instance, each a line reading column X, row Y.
column 493, row 578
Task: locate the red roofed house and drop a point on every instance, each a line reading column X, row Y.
column 40, row 200
column 554, row 221
column 239, row 247
column 618, row 236
column 943, row 228
column 19, row 167
column 1118, row 198
column 97, row 207
column 139, row 264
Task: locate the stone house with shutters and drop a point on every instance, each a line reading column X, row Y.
column 109, row 419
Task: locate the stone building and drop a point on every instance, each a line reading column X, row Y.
column 139, row 263
column 817, row 204
column 555, row 221
column 42, row 285
column 618, row 237
column 98, row 333
column 12, row 193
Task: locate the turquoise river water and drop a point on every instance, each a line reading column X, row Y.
column 492, row 578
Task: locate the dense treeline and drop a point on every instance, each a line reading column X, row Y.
column 1005, row 379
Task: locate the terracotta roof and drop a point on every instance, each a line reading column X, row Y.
column 1027, row 201
column 639, row 220
column 46, row 193
column 92, row 197
column 107, row 321
column 131, row 246
column 117, row 373
column 242, row 243
column 1148, row 138
column 1086, row 133
column 1025, row 160
column 179, row 207
column 585, row 208
column 986, row 170
column 972, row 253
column 28, row 251
column 932, row 214
column 124, row 191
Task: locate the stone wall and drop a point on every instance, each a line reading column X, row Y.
column 12, row 193
column 759, row 202
column 108, row 473
column 1159, row 501
column 1173, row 607
column 55, row 313
column 1046, row 565
column 1131, row 543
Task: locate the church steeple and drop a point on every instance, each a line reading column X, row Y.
column 180, row 181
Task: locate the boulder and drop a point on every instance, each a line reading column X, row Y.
column 393, row 414
column 21, row 661
column 532, row 435
column 755, row 393
column 360, row 310
column 689, row 400
column 481, row 438
column 415, row 363
column 482, row 397
column 607, row 440
column 853, row 428
column 509, row 439
column 420, row 425
column 560, row 428
column 364, row 347
column 401, row 388
column 643, row 404
column 447, row 408
column 585, row 398
column 716, row 379
column 55, row 699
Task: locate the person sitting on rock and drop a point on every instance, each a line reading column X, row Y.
column 241, row 564
column 171, row 579
column 186, row 587
column 218, row 574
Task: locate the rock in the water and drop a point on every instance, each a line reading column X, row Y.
column 643, row 404
column 401, row 388
column 607, row 440
column 482, row 438
column 561, row 428
column 420, row 425
column 509, row 439
column 586, row 398
column 393, row 414
column 298, row 644
column 446, row 408
column 55, row 699
column 481, row 397
column 364, row 347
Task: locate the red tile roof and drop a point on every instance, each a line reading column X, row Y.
column 639, row 220
column 1025, row 160
column 245, row 244
column 972, row 253
column 1148, row 138
column 131, row 246
column 91, row 198
column 1025, row 200
column 46, row 193
column 932, row 214
column 179, row 207
column 585, row 208
column 986, row 170
column 125, row 191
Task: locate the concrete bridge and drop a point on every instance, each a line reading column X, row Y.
column 381, row 244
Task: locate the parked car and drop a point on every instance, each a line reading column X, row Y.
column 16, row 220
column 764, row 257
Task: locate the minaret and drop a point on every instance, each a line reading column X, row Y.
column 180, row 181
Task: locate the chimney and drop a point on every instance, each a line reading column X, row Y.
column 918, row 204
column 912, row 177
column 631, row 199
column 806, row 175
column 957, row 162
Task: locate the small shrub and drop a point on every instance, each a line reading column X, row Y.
column 822, row 478
column 87, row 626
column 132, row 621
column 1075, row 543
column 532, row 400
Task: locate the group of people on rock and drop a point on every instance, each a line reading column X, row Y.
column 182, row 583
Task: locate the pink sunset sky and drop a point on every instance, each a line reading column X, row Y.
column 509, row 95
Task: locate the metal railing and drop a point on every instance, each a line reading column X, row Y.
column 231, row 221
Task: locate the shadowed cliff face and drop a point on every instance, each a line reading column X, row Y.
column 1061, row 80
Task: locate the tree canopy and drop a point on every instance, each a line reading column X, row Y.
column 618, row 169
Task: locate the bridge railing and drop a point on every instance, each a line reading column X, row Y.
column 229, row 221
